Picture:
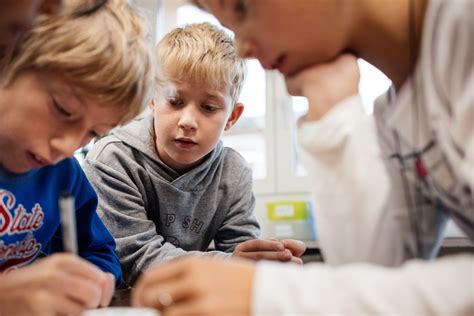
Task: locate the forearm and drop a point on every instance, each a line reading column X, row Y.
column 137, row 257
column 443, row 287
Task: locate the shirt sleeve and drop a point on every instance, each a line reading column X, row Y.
column 361, row 217
column 95, row 243
column 240, row 223
column 441, row 287
column 360, row 210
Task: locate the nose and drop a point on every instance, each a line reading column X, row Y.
column 245, row 48
column 65, row 144
column 188, row 119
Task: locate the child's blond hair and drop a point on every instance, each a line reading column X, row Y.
column 105, row 54
column 202, row 54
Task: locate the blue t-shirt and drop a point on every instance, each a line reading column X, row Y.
column 30, row 222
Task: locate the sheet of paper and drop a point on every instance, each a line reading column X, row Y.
column 122, row 311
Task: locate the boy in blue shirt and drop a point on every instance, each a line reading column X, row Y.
column 72, row 79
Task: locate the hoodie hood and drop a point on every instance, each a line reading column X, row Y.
column 139, row 135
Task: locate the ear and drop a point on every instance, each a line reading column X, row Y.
column 152, row 104
column 234, row 116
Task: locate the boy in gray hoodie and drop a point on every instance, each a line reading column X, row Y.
column 167, row 186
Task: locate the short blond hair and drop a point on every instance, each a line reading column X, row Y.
column 202, row 54
column 105, row 54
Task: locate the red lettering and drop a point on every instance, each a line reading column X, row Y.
column 38, row 216
column 5, row 207
column 22, row 221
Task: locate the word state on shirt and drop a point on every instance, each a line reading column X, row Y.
column 17, row 243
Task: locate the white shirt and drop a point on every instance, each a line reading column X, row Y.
column 367, row 170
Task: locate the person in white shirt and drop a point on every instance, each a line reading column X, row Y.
column 386, row 184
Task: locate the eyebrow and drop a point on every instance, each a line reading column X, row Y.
column 77, row 96
column 75, row 92
column 212, row 95
column 218, row 96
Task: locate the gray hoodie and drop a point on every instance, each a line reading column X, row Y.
column 156, row 214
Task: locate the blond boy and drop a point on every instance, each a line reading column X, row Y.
column 73, row 78
column 167, row 177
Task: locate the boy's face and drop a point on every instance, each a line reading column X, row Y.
column 17, row 17
column 284, row 35
column 189, row 122
column 44, row 121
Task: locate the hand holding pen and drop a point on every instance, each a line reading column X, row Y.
column 67, row 211
column 62, row 283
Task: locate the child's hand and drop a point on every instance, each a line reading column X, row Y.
column 108, row 287
column 258, row 249
column 197, row 286
column 59, row 284
column 296, row 247
column 325, row 85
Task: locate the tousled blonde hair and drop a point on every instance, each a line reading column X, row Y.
column 200, row 53
column 105, row 54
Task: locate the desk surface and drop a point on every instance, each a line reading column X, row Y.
column 120, row 306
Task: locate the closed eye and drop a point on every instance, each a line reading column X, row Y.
column 60, row 109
